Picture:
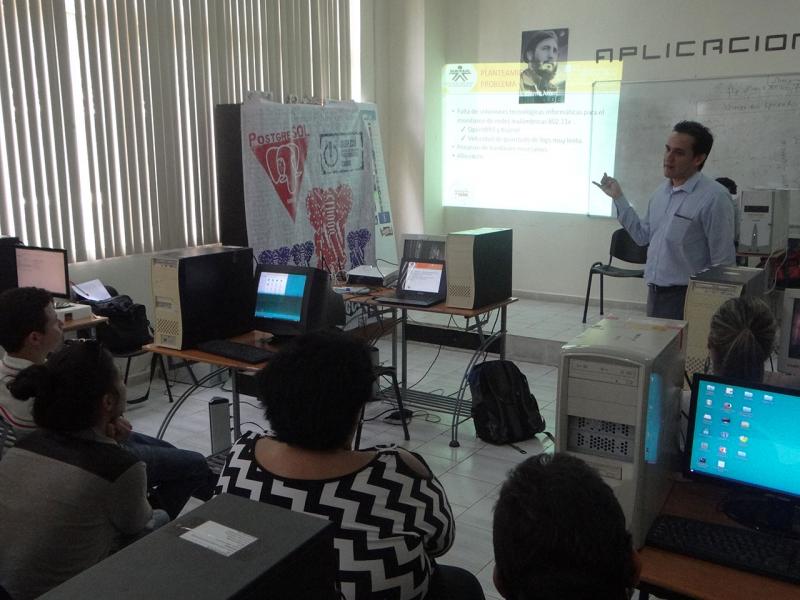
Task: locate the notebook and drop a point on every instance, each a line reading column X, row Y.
column 421, row 283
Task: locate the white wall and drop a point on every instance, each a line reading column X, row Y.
column 552, row 252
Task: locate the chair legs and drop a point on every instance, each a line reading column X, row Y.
column 391, row 373
column 589, row 289
column 601, row 293
column 588, row 292
column 155, row 359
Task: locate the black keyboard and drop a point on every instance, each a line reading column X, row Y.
column 236, row 351
column 743, row 549
column 217, row 461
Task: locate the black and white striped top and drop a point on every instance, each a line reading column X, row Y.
column 391, row 521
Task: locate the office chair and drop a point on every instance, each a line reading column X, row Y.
column 391, row 373
column 624, row 248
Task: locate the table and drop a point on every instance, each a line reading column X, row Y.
column 670, row 575
column 89, row 322
column 428, row 400
column 255, row 338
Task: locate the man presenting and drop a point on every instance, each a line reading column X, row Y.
column 536, row 82
column 689, row 221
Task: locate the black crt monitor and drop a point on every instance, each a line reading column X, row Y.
column 293, row 300
column 746, row 436
column 44, row 268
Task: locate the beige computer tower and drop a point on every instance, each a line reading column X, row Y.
column 764, row 221
column 708, row 291
column 618, row 409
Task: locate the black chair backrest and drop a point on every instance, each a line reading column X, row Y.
column 624, row 248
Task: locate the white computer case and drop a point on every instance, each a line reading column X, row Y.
column 619, row 408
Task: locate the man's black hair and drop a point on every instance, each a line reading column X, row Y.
column 313, row 391
column 22, row 313
column 559, row 532
column 703, row 140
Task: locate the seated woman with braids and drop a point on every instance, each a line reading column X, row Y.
column 68, row 491
column 741, row 338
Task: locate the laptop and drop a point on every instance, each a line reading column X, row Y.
column 421, row 283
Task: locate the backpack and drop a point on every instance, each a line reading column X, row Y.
column 128, row 328
column 503, row 408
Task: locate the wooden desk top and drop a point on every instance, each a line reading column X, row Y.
column 371, row 298
column 86, row 323
column 252, row 338
column 701, row 579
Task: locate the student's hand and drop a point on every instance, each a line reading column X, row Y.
column 610, row 186
column 119, row 429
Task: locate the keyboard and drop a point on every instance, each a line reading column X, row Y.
column 216, row 461
column 236, row 351
column 744, row 549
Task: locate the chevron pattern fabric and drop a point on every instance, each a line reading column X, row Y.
column 391, row 521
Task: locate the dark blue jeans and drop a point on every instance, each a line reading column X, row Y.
column 173, row 475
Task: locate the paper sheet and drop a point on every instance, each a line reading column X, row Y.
column 222, row 540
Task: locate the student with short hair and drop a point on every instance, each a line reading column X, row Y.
column 559, row 534
column 68, row 491
column 391, row 514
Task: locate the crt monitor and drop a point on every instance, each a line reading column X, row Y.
column 745, row 435
column 789, row 351
column 43, row 268
column 292, row 300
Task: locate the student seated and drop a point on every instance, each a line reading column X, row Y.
column 68, row 491
column 29, row 332
column 741, row 338
column 559, row 534
column 391, row 513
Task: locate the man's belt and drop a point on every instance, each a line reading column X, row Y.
column 666, row 289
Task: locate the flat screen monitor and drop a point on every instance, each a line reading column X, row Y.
column 44, row 268
column 292, row 300
column 745, row 435
column 789, row 350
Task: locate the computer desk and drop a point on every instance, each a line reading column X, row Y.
column 89, row 322
column 436, row 402
column 669, row 575
column 234, row 366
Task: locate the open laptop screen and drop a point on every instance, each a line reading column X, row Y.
column 423, row 277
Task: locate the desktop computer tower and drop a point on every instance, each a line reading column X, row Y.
column 764, row 221
column 707, row 291
column 618, row 405
column 202, row 294
column 478, row 267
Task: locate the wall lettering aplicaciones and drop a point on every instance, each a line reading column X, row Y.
column 776, row 42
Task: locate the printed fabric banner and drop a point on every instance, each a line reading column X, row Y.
column 308, row 185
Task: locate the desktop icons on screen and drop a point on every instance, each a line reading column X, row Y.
column 292, row 300
column 744, row 434
column 280, row 296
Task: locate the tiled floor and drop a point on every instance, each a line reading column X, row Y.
column 472, row 473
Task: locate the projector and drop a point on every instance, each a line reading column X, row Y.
column 369, row 275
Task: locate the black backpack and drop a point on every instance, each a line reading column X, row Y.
column 503, row 408
column 128, row 328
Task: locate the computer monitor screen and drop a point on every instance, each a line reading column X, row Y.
column 43, row 268
column 744, row 433
column 789, row 350
column 423, row 276
column 292, row 300
column 280, row 296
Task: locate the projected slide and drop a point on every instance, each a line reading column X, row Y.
column 503, row 150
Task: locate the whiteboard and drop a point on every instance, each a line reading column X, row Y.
column 755, row 121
